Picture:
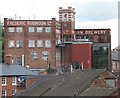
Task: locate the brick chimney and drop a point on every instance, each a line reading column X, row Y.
column 9, row 59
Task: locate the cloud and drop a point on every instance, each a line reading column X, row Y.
column 97, row 11
column 89, row 13
column 85, row 9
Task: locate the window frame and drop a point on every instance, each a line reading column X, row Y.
column 46, row 44
column 47, row 29
column 5, row 93
column 19, row 60
column 31, row 29
column 14, row 80
column 29, row 43
column 39, row 43
column 9, row 44
column 14, row 92
column 34, row 55
column 19, row 29
column 45, row 55
column 5, row 81
column 39, row 29
column 11, row 29
column 19, row 43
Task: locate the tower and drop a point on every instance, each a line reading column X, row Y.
column 67, row 19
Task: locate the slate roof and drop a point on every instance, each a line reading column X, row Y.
column 65, row 85
column 98, row 91
column 14, row 70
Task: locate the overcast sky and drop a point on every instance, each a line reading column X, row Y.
column 89, row 13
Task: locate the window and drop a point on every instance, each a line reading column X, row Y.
column 110, row 82
column 13, row 92
column 47, row 43
column 31, row 43
column 47, row 29
column 39, row 43
column 19, row 43
column 114, row 65
column 65, row 17
column 19, row 60
column 4, row 80
column 39, row 29
column 4, row 93
column 11, row 29
column 58, row 56
column 34, row 55
column 31, row 29
column 19, row 29
column 45, row 55
column 11, row 44
column 13, row 80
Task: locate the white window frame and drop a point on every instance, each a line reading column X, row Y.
column 31, row 43
column 47, row 29
column 11, row 29
column 11, row 43
column 13, row 92
column 40, row 43
column 19, row 60
column 19, row 29
column 45, row 55
column 4, row 81
column 47, row 43
column 5, row 93
column 34, row 56
column 58, row 56
column 14, row 81
column 19, row 43
column 39, row 29
column 31, row 29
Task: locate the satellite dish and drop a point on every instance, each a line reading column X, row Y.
column 76, row 65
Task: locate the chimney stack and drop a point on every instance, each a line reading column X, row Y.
column 9, row 59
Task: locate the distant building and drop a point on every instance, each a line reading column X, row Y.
column 38, row 43
column 116, row 59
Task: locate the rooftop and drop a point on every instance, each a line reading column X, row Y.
column 15, row 70
column 69, row 84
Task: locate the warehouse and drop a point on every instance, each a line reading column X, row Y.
column 39, row 43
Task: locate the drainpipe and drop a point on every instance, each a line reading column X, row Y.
column 82, row 66
column 22, row 60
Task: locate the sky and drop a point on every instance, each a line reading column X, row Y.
column 89, row 13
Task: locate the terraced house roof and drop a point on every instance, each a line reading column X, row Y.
column 68, row 85
column 14, row 70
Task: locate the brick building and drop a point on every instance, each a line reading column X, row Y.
column 10, row 76
column 39, row 43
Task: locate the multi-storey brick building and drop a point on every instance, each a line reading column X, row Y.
column 38, row 43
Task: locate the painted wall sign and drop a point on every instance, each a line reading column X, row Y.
column 90, row 32
column 29, row 23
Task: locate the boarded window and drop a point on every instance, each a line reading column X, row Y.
column 110, row 83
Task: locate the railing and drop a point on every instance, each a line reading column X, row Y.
column 64, row 41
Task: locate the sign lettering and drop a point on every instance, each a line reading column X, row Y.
column 91, row 32
column 29, row 23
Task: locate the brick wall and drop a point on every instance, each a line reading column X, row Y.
column 25, row 50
